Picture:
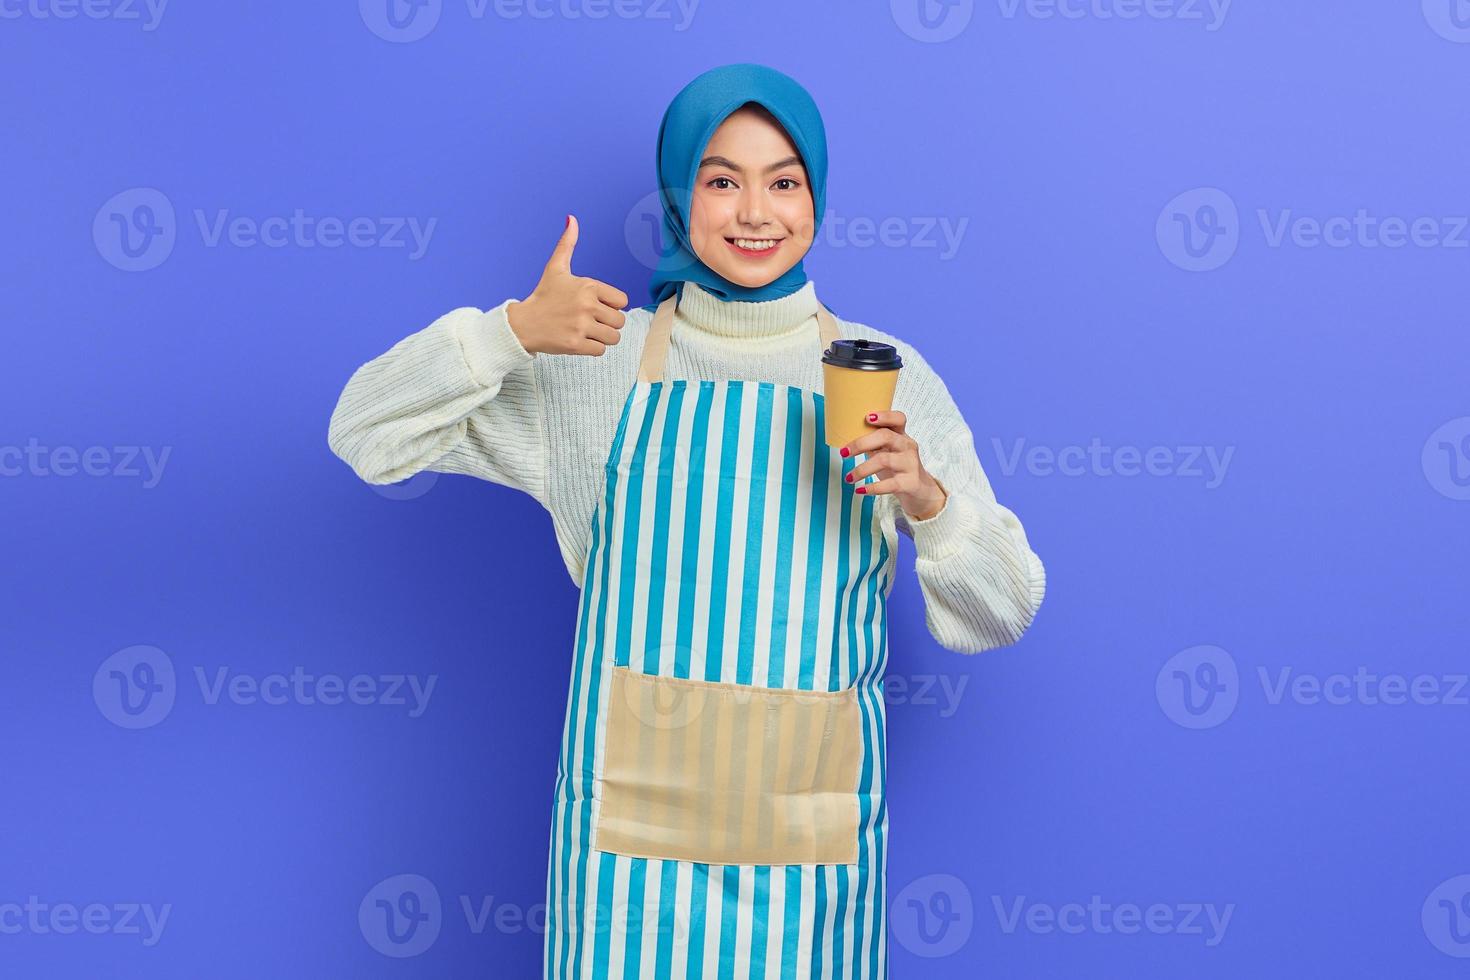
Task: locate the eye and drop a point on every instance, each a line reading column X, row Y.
column 790, row 183
column 717, row 185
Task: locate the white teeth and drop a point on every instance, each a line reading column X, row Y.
column 759, row 246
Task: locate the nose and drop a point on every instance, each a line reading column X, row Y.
column 753, row 210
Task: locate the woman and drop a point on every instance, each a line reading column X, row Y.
column 719, row 804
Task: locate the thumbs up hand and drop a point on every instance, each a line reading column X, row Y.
column 568, row 314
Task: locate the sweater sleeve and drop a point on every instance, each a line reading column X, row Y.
column 982, row 583
column 459, row 396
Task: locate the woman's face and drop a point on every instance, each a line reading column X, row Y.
column 751, row 218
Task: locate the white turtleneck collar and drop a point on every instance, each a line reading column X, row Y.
column 772, row 319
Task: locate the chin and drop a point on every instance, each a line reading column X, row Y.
column 744, row 277
column 750, row 281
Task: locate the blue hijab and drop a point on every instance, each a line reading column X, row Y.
column 689, row 122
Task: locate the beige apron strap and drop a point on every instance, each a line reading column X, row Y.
column 656, row 344
column 827, row 325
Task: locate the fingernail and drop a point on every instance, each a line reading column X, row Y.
column 862, row 489
column 873, row 417
column 848, row 478
column 568, row 224
column 844, row 450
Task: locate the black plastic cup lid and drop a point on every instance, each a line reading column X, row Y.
column 862, row 355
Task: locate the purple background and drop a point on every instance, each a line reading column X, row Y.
column 1070, row 766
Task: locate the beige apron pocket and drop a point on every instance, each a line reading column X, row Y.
column 729, row 773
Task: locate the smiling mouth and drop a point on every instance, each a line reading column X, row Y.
column 754, row 246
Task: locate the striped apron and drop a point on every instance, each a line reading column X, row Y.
column 719, row 807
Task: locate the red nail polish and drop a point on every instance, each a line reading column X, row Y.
column 873, row 418
column 848, row 478
column 844, row 450
column 568, row 223
column 862, row 489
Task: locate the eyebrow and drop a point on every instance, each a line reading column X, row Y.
column 718, row 161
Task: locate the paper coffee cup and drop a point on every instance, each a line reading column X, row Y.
column 858, row 377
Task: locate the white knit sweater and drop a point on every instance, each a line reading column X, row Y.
column 463, row 395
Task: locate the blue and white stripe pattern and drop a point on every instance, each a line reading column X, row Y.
column 726, row 547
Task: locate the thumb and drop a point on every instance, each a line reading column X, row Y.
column 561, row 256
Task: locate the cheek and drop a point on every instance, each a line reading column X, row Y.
column 798, row 217
column 707, row 216
column 697, row 212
